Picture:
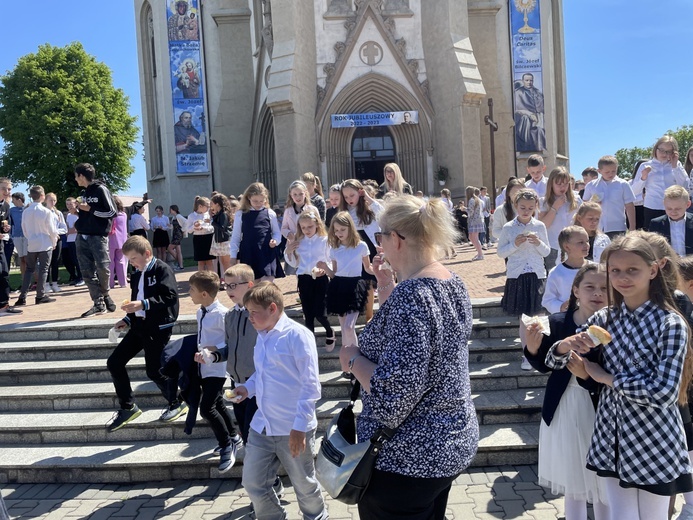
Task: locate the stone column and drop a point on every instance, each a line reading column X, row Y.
column 232, row 122
column 456, row 90
column 291, row 94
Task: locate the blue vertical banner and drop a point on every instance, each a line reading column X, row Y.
column 528, row 96
column 187, row 82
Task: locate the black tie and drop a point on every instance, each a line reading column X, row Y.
column 199, row 332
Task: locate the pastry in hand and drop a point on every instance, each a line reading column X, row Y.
column 599, row 335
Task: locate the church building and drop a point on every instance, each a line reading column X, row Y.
column 235, row 91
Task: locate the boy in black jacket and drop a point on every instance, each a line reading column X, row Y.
column 96, row 213
column 151, row 312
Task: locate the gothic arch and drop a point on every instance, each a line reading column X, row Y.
column 376, row 93
column 265, row 159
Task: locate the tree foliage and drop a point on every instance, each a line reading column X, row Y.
column 58, row 107
column 627, row 157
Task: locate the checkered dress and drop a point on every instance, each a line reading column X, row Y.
column 638, row 432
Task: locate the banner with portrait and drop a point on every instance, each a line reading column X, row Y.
column 187, row 85
column 528, row 95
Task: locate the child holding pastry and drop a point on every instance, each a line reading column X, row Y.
column 151, row 311
column 639, row 445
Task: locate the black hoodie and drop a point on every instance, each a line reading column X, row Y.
column 102, row 210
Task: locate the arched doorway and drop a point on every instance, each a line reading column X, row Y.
column 265, row 160
column 371, row 149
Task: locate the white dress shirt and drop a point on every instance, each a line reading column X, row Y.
column 285, row 383
column 677, row 229
column 205, row 228
column 613, row 196
column 349, row 259
column 310, row 251
column 211, row 332
column 539, row 187
column 559, row 285
column 660, row 178
column 562, row 218
column 39, row 228
column 137, row 221
column 372, row 228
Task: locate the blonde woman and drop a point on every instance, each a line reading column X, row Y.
column 394, row 181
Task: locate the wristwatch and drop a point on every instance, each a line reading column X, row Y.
column 351, row 361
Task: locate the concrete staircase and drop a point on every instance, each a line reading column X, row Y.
column 56, row 397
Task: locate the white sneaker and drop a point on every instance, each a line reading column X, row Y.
column 525, row 364
column 47, row 288
column 56, row 287
column 686, row 512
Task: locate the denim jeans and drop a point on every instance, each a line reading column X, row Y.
column 94, row 262
column 263, row 454
column 43, row 260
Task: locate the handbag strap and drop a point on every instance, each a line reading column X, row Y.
column 355, row 390
column 383, row 433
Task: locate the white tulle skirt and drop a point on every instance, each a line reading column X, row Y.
column 563, row 448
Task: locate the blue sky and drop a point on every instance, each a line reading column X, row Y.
column 629, row 65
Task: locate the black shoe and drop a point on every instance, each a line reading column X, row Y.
column 44, row 299
column 110, row 304
column 20, row 301
column 122, row 417
column 96, row 309
column 8, row 309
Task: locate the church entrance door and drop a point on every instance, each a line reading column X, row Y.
column 371, row 149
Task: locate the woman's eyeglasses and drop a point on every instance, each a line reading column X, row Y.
column 379, row 236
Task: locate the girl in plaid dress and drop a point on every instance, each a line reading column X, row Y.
column 639, row 445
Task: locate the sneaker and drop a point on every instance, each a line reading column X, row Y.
column 56, row 287
column 8, row 309
column 79, row 283
column 173, row 412
column 20, row 301
column 525, row 364
column 110, row 304
column 96, row 309
column 278, row 487
column 478, row 257
column 216, row 452
column 122, row 417
column 484, row 247
column 48, row 289
column 44, row 299
column 227, row 458
column 73, row 282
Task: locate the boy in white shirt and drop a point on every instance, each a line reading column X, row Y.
column 615, row 196
column 41, row 232
column 536, row 169
column 286, row 387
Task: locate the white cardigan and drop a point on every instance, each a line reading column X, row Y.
column 559, row 282
column 527, row 255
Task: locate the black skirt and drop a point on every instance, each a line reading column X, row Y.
column 372, row 251
column 523, row 295
column 346, row 294
column 682, row 484
column 201, row 245
column 139, row 232
column 160, row 238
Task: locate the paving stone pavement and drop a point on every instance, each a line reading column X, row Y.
column 480, row 493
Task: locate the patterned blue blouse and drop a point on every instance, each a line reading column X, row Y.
column 418, row 339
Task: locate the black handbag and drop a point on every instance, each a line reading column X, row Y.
column 344, row 467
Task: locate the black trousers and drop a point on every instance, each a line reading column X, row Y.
column 391, row 496
column 649, row 214
column 4, row 279
column 70, row 261
column 214, row 411
column 313, row 295
column 137, row 339
column 244, row 412
column 55, row 261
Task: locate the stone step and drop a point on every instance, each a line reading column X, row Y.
column 480, row 350
column 88, row 426
column 82, row 384
column 147, row 461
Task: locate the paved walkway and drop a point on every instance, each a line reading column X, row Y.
column 482, row 493
column 484, row 279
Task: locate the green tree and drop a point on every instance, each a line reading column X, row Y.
column 627, row 157
column 58, row 107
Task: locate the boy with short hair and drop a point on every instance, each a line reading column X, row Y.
column 70, row 259
column 211, row 341
column 5, row 228
column 615, row 196
column 287, row 387
column 536, row 169
column 677, row 225
column 20, row 243
column 152, row 310
column 41, row 232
